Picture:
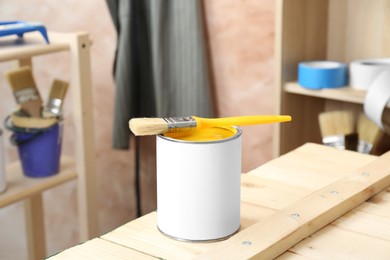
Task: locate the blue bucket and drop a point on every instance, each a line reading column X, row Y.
column 39, row 151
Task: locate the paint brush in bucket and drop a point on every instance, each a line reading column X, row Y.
column 154, row 126
column 25, row 90
column 58, row 90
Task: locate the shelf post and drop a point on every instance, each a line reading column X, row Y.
column 81, row 87
column 35, row 226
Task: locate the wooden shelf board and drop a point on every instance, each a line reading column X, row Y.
column 32, row 44
column 20, row 187
column 345, row 94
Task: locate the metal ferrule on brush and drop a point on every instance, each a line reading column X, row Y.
column 364, row 147
column 336, row 141
column 342, row 142
column 179, row 124
column 26, row 94
column 53, row 107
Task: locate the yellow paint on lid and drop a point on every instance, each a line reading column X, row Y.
column 204, row 135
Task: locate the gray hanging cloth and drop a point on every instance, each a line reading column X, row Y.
column 161, row 66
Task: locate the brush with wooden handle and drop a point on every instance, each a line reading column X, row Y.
column 25, row 90
column 154, row 126
column 53, row 107
column 338, row 130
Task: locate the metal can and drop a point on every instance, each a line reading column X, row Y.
column 198, row 186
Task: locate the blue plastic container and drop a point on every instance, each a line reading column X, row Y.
column 39, row 151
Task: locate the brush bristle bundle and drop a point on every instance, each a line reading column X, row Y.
column 148, row 126
column 368, row 130
column 25, row 90
column 336, row 123
column 58, row 89
column 20, row 78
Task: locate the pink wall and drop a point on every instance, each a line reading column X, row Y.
column 240, row 35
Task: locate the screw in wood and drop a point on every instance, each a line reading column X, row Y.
column 246, row 243
column 295, row 215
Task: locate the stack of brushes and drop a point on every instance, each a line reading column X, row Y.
column 338, row 130
column 29, row 99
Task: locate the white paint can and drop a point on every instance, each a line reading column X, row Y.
column 3, row 184
column 198, row 186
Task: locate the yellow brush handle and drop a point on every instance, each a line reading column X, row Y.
column 240, row 120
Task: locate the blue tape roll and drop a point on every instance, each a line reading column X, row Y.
column 322, row 74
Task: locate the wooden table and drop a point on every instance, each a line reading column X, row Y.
column 315, row 202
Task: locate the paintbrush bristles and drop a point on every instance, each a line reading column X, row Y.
column 25, row 90
column 336, row 123
column 368, row 130
column 148, row 126
column 21, row 78
column 58, row 89
column 55, row 101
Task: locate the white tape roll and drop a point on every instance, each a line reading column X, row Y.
column 363, row 72
column 377, row 97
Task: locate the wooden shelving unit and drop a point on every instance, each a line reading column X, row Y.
column 20, row 187
column 345, row 94
column 82, row 167
column 339, row 30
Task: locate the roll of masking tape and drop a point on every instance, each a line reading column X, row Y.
column 378, row 97
column 322, row 74
column 363, row 72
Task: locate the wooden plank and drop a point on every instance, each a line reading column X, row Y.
column 357, row 29
column 81, row 88
column 256, row 193
column 251, row 214
column 282, row 230
column 100, row 249
column 312, row 166
column 335, row 243
column 35, row 226
column 374, row 222
column 25, row 62
column 32, row 44
column 301, row 34
column 143, row 235
column 337, row 30
column 269, row 193
column 364, row 223
column 376, row 209
column 293, row 256
column 261, row 224
column 370, row 219
column 345, row 94
column 20, row 187
column 383, row 198
column 385, row 51
column 137, row 233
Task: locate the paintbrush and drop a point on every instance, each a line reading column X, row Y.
column 53, row 107
column 154, row 126
column 338, row 130
column 25, row 90
column 369, row 134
